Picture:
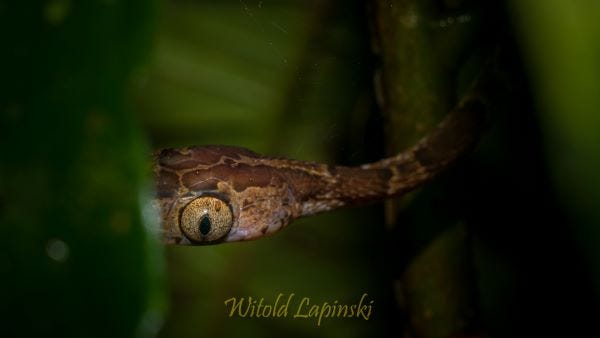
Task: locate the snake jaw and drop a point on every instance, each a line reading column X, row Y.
column 257, row 212
column 261, row 211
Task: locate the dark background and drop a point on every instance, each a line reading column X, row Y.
column 89, row 89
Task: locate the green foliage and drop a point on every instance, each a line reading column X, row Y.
column 74, row 254
column 563, row 51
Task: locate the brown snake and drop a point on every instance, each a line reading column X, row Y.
column 215, row 194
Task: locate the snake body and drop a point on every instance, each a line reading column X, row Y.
column 214, row 194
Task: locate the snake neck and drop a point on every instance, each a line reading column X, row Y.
column 397, row 175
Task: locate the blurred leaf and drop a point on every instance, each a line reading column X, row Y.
column 560, row 38
column 75, row 258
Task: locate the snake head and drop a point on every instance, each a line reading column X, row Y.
column 214, row 194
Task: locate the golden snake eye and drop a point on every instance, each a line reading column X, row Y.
column 206, row 219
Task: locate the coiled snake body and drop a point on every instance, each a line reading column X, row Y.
column 215, row 194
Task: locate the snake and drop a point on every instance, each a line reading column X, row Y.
column 218, row 194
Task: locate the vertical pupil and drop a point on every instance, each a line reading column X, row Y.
column 205, row 225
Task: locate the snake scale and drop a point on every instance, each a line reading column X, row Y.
column 216, row 194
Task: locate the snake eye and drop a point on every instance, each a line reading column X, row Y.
column 206, row 219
